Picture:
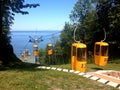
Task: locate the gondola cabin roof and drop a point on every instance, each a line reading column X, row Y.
column 79, row 45
column 49, row 44
column 102, row 43
column 74, row 44
column 35, row 45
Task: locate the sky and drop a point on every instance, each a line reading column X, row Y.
column 50, row 15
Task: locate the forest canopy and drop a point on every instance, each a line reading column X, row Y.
column 92, row 17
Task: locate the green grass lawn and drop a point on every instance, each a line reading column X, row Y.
column 93, row 67
column 31, row 78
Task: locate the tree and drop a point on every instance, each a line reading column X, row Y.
column 8, row 8
column 108, row 12
column 91, row 17
column 81, row 8
column 84, row 15
column 58, row 53
column 66, row 39
column 42, row 55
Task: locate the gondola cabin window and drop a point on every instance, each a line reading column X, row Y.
column 104, row 50
column 81, row 54
column 49, row 47
column 97, row 49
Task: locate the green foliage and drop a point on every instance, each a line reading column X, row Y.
column 8, row 8
column 86, row 21
column 42, row 55
column 109, row 18
column 55, row 58
column 91, row 16
column 80, row 9
column 58, row 54
column 83, row 16
column 67, row 40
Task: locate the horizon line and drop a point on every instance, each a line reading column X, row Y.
column 37, row 30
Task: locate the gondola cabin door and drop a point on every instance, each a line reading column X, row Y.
column 78, row 57
column 101, row 53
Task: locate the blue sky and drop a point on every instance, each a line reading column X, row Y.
column 50, row 15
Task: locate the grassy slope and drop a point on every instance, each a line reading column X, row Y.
column 30, row 78
column 93, row 67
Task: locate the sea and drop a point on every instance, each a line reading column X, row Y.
column 20, row 40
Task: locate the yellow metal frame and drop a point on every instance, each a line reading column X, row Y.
column 73, row 55
column 99, row 58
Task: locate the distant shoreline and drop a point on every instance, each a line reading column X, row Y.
column 33, row 30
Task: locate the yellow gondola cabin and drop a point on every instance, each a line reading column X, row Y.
column 49, row 49
column 78, row 57
column 101, row 53
column 35, row 52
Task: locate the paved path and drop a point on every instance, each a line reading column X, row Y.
column 89, row 75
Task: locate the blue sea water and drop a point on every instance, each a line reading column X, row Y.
column 20, row 39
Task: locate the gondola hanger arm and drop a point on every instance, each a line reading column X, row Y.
column 104, row 35
column 74, row 35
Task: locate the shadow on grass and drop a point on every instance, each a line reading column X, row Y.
column 22, row 66
column 96, row 68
